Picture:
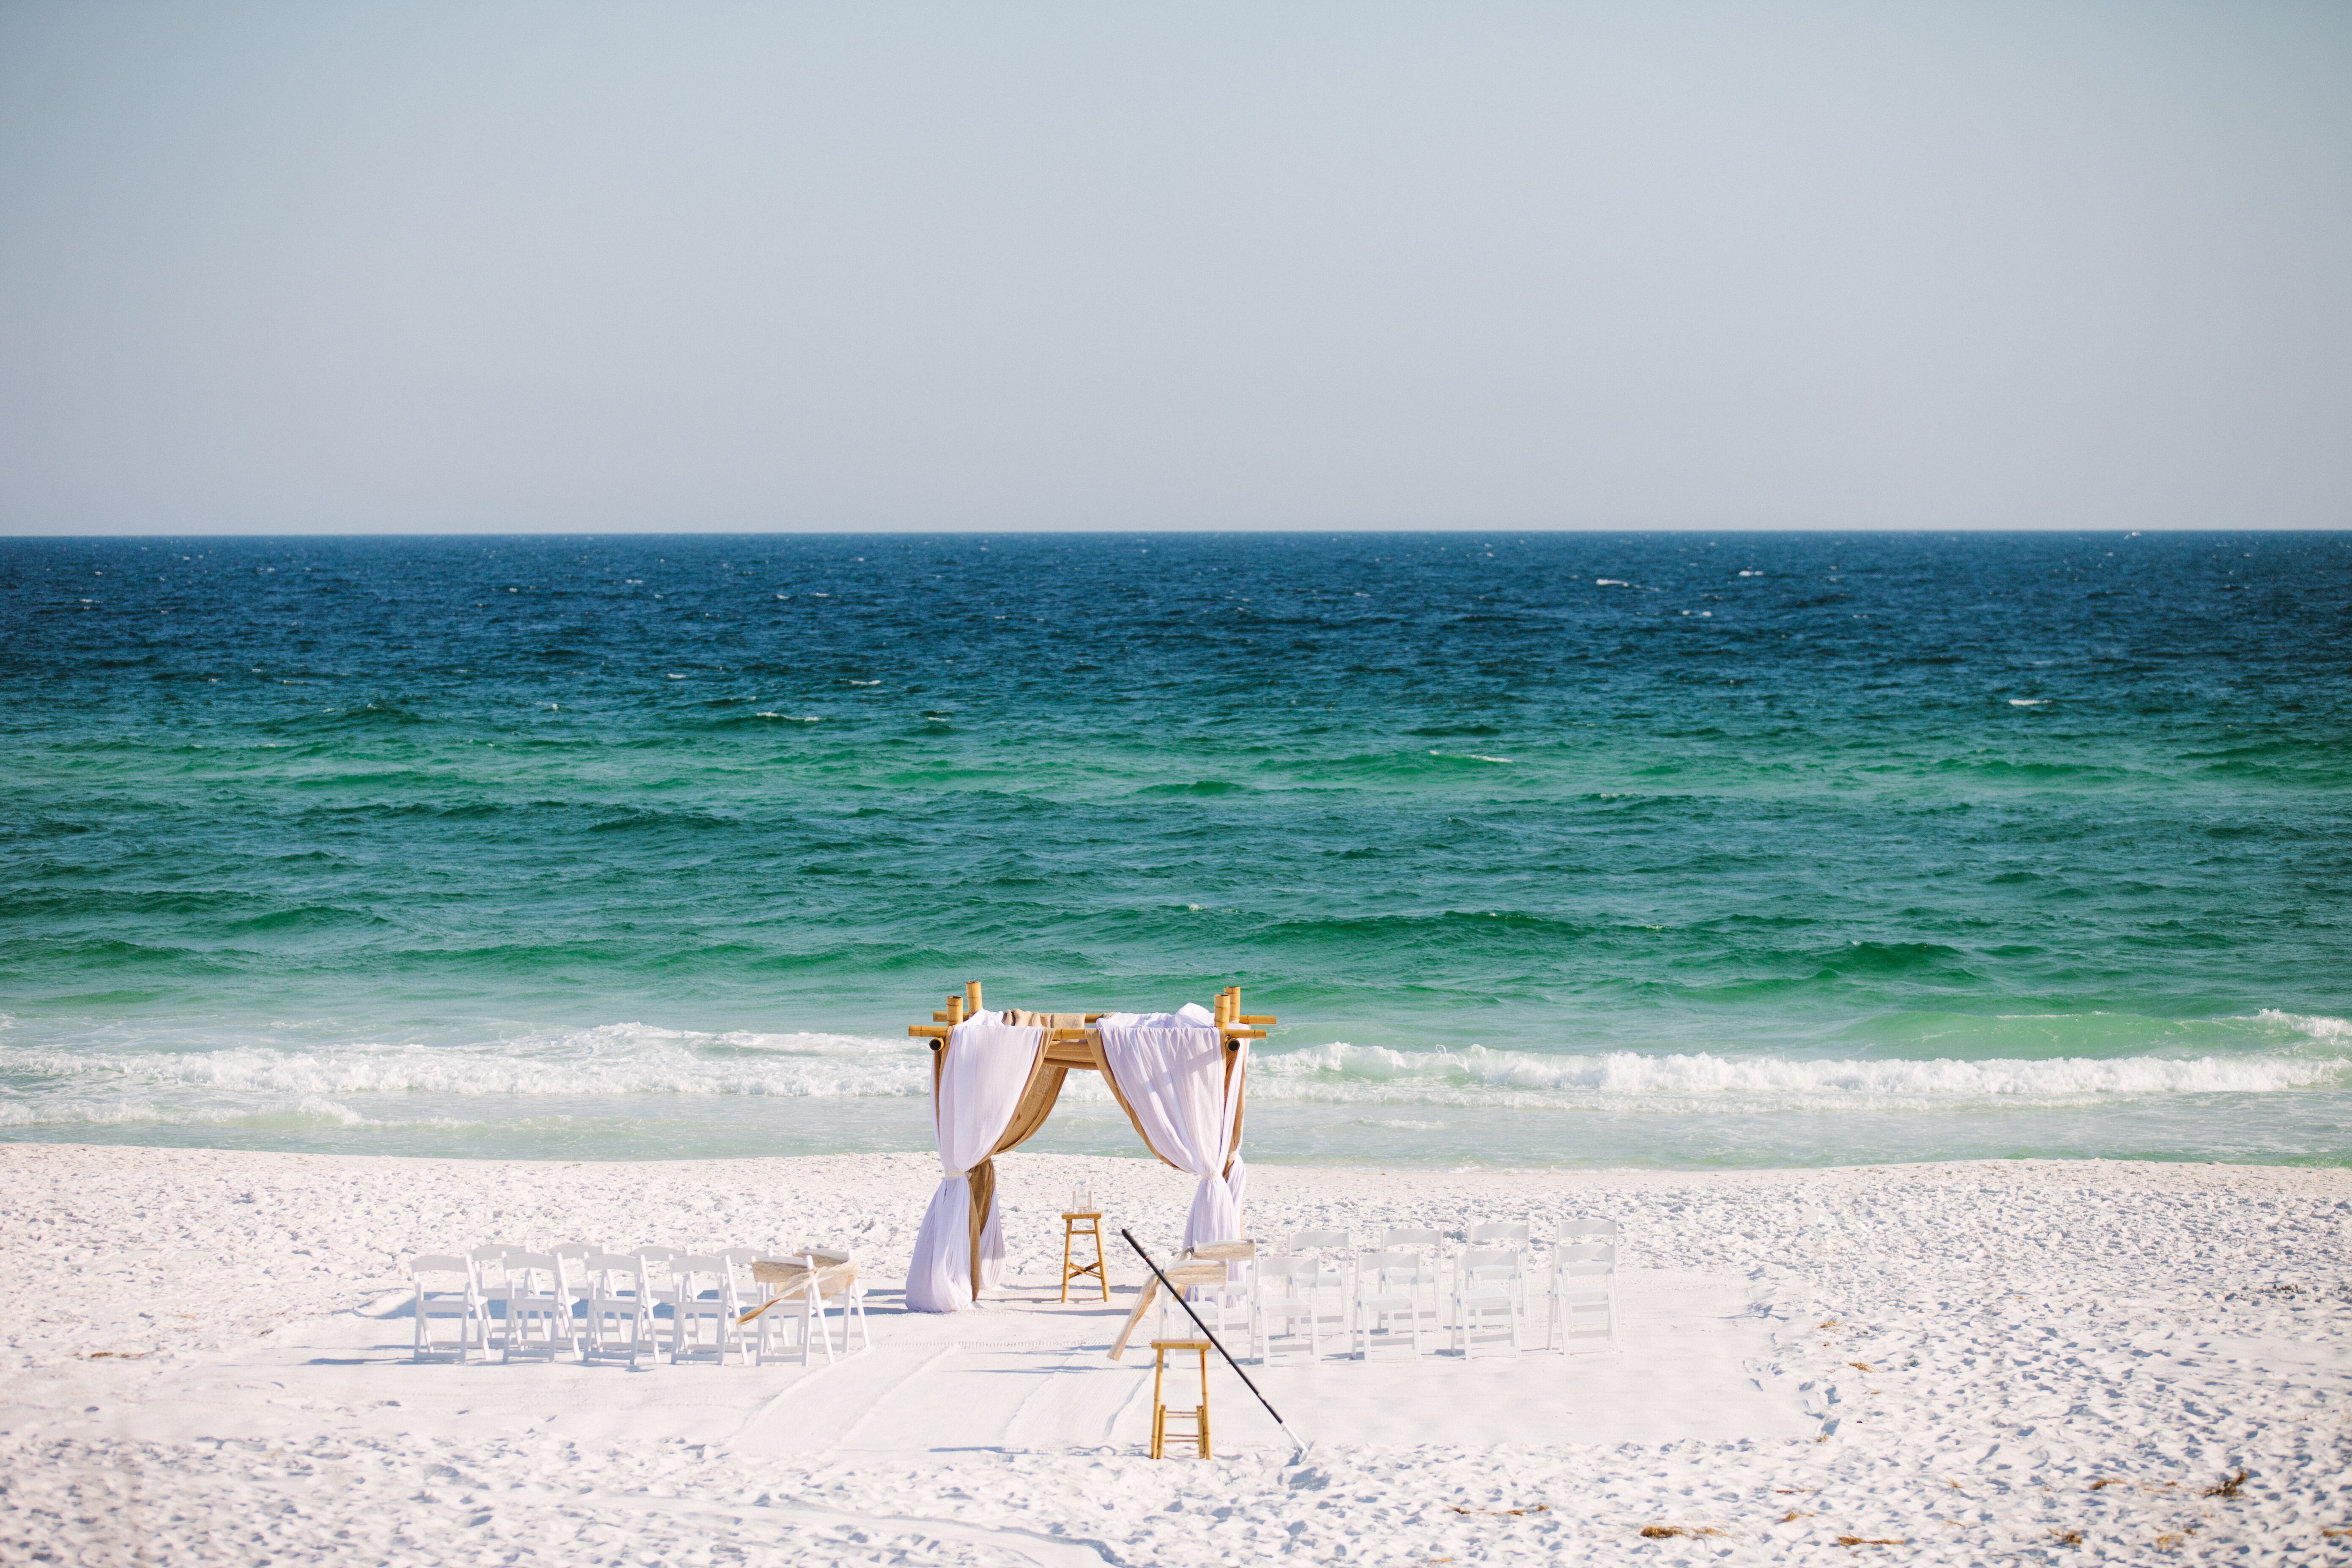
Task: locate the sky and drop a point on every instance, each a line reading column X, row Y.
column 505, row 266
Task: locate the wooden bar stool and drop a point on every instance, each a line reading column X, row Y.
column 1160, row 1415
column 1072, row 1228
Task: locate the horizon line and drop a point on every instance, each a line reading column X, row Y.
column 968, row 530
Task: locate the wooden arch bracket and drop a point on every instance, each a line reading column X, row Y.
column 1080, row 1048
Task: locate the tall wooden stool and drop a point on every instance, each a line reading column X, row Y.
column 1076, row 1222
column 1160, row 1415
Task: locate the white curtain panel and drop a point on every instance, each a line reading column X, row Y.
column 979, row 1087
column 1173, row 1079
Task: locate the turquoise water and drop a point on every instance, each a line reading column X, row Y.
column 1567, row 849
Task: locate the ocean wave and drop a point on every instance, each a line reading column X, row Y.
column 285, row 1074
column 2317, row 1026
column 612, row 1060
column 622, row 1062
column 1704, row 1081
column 311, row 1109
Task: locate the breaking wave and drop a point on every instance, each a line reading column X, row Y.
column 618, row 1061
column 1629, row 1080
column 617, row 1065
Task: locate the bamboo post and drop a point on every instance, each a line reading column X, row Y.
column 955, row 1011
column 970, row 998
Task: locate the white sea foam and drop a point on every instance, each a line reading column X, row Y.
column 615, row 1060
column 131, row 1112
column 1701, row 1080
column 2314, row 1026
column 355, row 1084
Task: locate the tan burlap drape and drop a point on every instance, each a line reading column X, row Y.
column 1037, row 1100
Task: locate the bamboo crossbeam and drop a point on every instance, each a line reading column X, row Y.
column 1063, row 1037
column 1075, row 1048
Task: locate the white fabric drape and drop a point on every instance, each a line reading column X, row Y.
column 979, row 1085
column 1173, row 1081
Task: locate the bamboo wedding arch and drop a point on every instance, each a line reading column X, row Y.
column 1072, row 1042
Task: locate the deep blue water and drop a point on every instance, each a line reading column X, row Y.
column 1547, row 849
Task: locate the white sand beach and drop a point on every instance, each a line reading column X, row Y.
column 207, row 1361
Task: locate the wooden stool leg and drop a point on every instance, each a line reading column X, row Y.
column 1158, row 1404
column 1200, row 1415
column 1074, row 1227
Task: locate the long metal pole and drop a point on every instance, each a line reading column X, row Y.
column 1212, row 1339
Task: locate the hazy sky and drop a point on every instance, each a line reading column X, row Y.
column 275, row 267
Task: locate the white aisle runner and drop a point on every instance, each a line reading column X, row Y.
column 1022, row 1374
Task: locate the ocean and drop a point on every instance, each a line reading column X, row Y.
column 1548, row 849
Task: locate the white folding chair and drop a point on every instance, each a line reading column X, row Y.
column 835, row 1280
column 1282, row 1299
column 744, row 1293
column 619, row 1319
column 572, row 1278
column 1222, row 1300
column 1429, row 1283
column 1583, row 1295
column 1389, row 1292
column 487, row 1272
column 1215, row 1297
column 1584, row 1286
column 449, row 1298
column 659, row 1286
column 703, row 1308
column 539, row 1309
column 802, row 1285
column 1488, row 1297
column 1515, row 1235
column 1335, row 1255
column 767, row 1334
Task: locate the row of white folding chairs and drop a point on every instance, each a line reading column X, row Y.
column 597, row 1302
column 1409, row 1283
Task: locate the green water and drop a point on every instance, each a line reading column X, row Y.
column 1547, row 849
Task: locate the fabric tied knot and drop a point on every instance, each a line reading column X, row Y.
column 991, row 1090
